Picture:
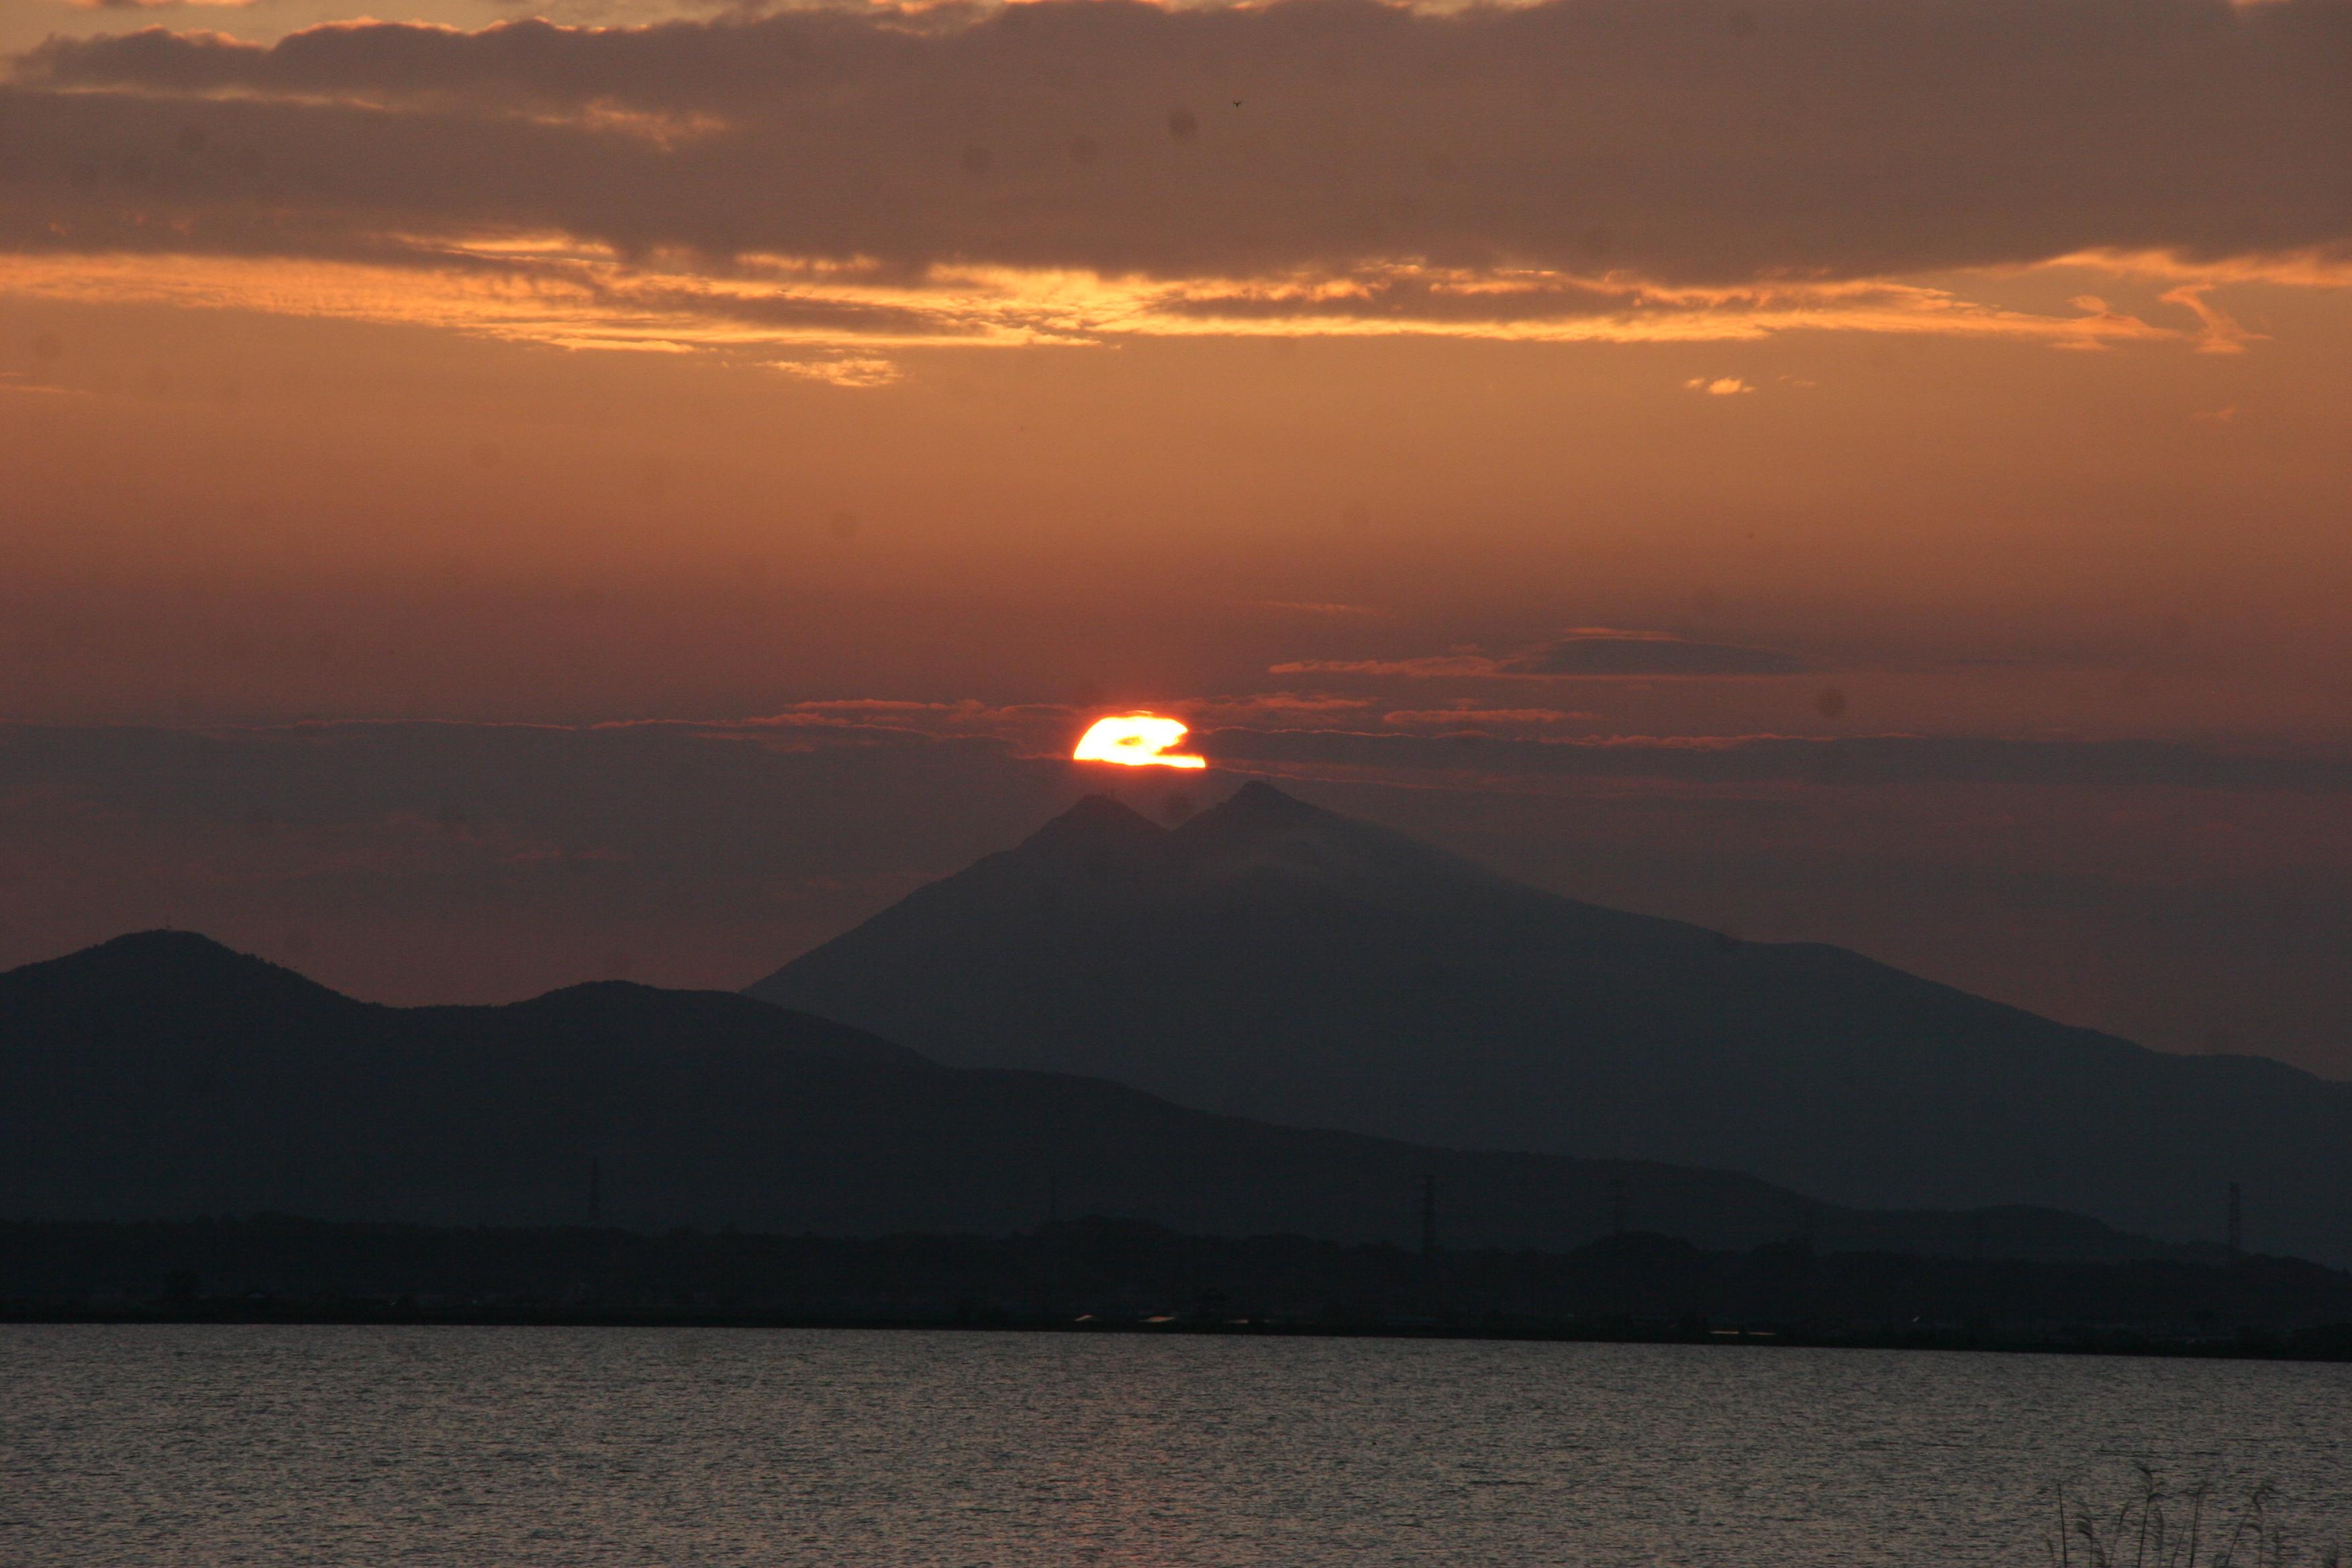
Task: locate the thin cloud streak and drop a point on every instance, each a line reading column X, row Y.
column 1582, row 653
column 558, row 295
column 1859, row 761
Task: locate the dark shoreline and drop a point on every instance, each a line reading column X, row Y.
column 1108, row 1276
column 2325, row 1344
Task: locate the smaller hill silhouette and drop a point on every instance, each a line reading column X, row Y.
column 122, row 982
column 165, row 1077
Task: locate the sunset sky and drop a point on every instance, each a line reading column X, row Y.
column 495, row 498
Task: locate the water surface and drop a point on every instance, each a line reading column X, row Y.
column 490, row 1447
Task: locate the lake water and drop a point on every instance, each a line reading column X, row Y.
column 493, row 1447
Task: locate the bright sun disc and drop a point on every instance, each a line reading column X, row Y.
column 1135, row 741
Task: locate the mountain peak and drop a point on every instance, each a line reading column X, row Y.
column 167, row 950
column 1259, row 795
column 166, row 944
column 154, row 967
column 1258, row 806
column 1096, row 821
column 1259, row 830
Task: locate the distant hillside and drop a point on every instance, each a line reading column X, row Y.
column 162, row 1076
column 1274, row 960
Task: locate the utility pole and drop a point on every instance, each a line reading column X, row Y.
column 1429, row 1245
column 1051, row 1240
column 2237, row 1222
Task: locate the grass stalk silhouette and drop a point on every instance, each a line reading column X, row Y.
column 2158, row 1524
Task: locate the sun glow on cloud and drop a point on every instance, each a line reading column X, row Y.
column 842, row 324
column 1135, row 741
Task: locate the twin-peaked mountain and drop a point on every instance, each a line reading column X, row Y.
column 164, row 1077
column 1272, row 959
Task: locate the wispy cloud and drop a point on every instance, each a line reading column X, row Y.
column 1582, row 653
column 1281, row 709
column 842, row 372
column 1432, row 667
column 1317, row 607
column 550, row 290
column 2218, row 331
column 161, row 5
column 1471, row 716
column 1865, row 761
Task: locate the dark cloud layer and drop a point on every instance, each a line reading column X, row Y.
column 1858, row 760
column 1698, row 140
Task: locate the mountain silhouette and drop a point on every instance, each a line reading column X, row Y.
column 1271, row 959
column 162, row 1076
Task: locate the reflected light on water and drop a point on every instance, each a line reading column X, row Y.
column 1135, row 741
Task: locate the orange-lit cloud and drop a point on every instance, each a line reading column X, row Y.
column 2219, row 332
column 840, row 325
column 842, row 370
column 1524, row 173
column 1135, row 741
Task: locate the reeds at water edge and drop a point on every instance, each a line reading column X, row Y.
column 2155, row 1524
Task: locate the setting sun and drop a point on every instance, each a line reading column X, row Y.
column 1135, row 741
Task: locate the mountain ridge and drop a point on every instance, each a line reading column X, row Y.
column 1271, row 959
column 131, row 1095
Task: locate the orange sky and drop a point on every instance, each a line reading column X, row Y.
column 1556, row 373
